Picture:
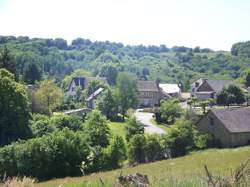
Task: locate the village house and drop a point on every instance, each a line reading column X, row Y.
column 230, row 126
column 82, row 83
column 149, row 93
column 206, row 88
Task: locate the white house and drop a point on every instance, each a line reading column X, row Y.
column 171, row 89
column 82, row 83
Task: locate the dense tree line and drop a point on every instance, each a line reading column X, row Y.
column 37, row 58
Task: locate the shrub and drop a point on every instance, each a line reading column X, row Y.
column 153, row 148
column 136, row 149
column 117, row 152
column 40, row 128
column 180, row 138
column 203, row 141
column 56, row 155
column 170, row 111
column 42, row 125
column 132, row 128
column 97, row 130
column 65, row 121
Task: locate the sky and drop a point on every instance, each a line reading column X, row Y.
column 215, row 24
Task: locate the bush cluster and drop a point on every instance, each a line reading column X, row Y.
column 181, row 138
column 62, row 147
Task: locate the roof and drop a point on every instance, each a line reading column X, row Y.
column 234, row 119
column 147, row 86
column 185, row 95
column 102, row 79
column 79, row 81
column 217, row 85
column 76, row 111
column 96, row 93
column 83, row 81
column 170, row 88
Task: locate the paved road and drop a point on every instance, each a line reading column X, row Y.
column 145, row 119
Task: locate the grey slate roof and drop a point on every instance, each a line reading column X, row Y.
column 83, row 81
column 217, row 85
column 79, row 81
column 147, row 86
column 234, row 119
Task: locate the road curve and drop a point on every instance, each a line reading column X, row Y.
column 145, row 118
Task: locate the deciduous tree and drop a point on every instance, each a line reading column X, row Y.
column 14, row 113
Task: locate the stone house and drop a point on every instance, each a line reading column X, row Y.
column 230, row 126
column 206, row 88
column 82, row 83
column 149, row 93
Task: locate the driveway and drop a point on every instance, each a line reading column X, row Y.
column 145, row 118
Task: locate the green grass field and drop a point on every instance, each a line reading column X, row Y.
column 184, row 171
column 117, row 128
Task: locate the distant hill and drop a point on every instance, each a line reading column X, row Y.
column 182, row 64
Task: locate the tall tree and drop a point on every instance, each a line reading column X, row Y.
column 96, row 127
column 110, row 72
column 49, row 96
column 126, row 92
column 170, row 110
column 32, row 73
column 14, row 114
column 230, row 95
column 107, row 104
column 7, row 61
column 247, row 82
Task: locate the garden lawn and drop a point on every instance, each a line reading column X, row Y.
column 182, row 171
column 117, row 128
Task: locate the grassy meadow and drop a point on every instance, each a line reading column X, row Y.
column 183, row 171
column 117, row 128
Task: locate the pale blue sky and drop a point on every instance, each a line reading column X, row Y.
column 215, row 24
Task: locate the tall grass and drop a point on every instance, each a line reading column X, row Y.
column 19, row 182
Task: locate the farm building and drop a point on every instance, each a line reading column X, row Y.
column 230, row 126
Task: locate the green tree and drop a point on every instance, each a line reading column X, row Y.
column 136, row 149
column 49, row 96
column 117, row 151
column 222, row 97
column 170, row 110
column 247, row 81
column 180, row 138
column 92, row 87
column 32, row 73
column 230, row 95
column 153, row 148
column 108, row 105
column 132, row 128
column 126, row 92
column 14, row 110
column 110, row 72
column 7, row 61
column 203, row 105
column 96, row 127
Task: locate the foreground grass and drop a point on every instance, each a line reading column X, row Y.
column 183, row 171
